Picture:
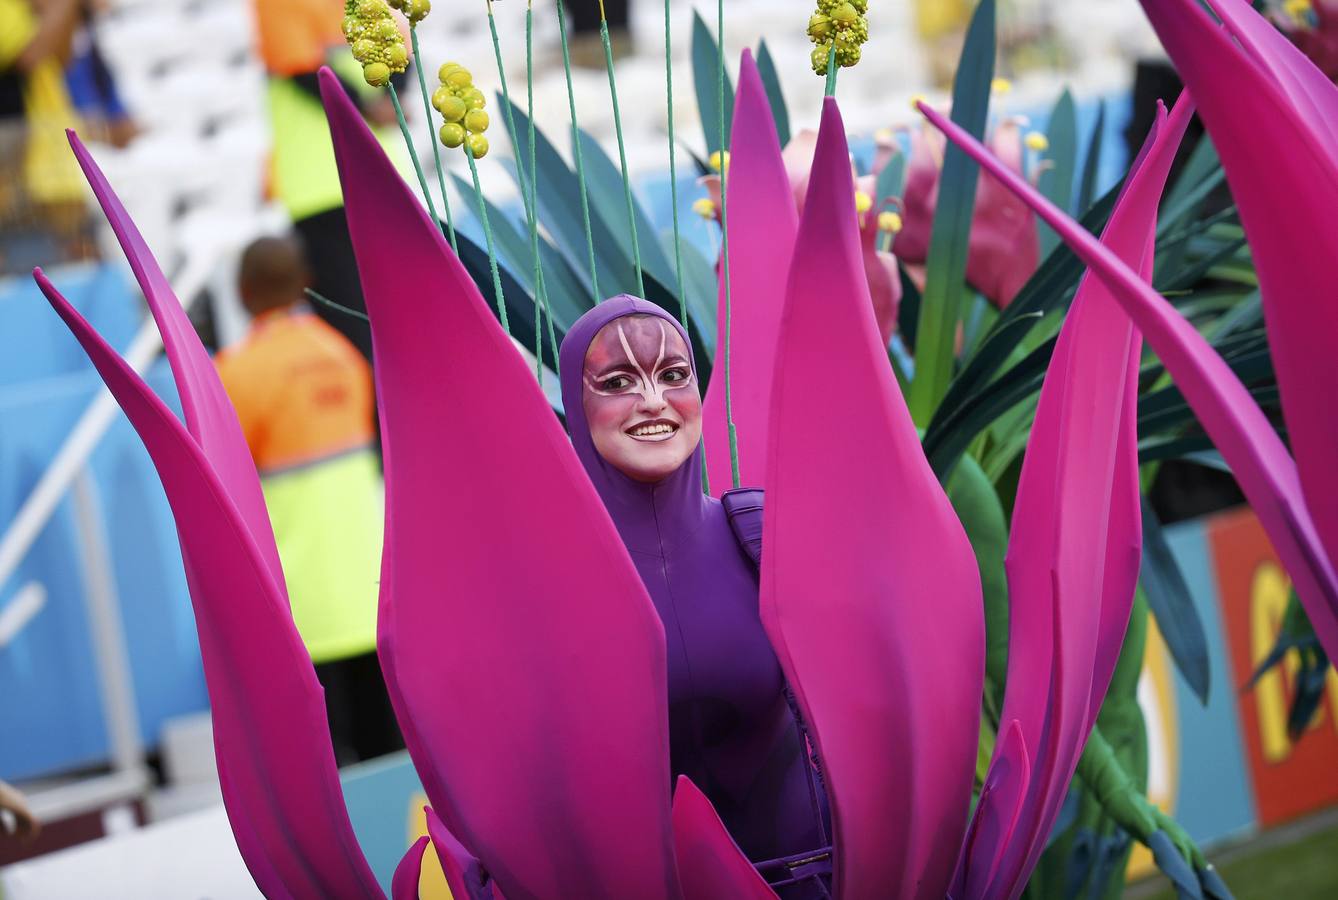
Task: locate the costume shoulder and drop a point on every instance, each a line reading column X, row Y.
column 743, row 508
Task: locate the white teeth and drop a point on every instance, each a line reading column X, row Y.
column 648, row 430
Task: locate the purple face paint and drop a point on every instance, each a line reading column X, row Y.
column 730, row 728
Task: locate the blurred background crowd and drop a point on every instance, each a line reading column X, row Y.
column 205, row 116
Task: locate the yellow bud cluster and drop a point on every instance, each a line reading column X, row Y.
column 461, row 107
column 720, row 163
column 840, row 23
column 414, row 10
column 705, row 207
column 375, row 40
column 889, row 222
column 1037, row 142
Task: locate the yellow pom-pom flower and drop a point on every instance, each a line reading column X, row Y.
column 705, row 208
column 461, row 105
column 719, row 161
column 1037, row 142
column 863, row 202
column 890, row 222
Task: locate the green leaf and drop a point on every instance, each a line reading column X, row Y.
column 766, row 67
column 701, row 285
column 1092, row 167
column 705, row 77
column 891, row 180
column 559, row 197
column 908, row 313
column 1057, row 180
column 568, row 298
column 1049, row 289
column 1170, row 601
column 977, row 506
column 945, row 282
column 982, row 408
column 604, row 181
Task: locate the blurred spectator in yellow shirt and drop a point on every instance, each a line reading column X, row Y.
column 303, row 395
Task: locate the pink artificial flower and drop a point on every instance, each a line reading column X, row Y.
column 880, row 266
column 1004, row 247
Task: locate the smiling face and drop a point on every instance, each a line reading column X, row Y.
column 640, row 397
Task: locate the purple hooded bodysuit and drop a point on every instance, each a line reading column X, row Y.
column 731, row 729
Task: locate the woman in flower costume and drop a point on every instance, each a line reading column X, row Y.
column 630, row 392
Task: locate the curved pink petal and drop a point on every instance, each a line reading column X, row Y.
column 210, row 417
column 525, row 660
column 762, row 228
column 1312, row 94
column 996, row 814
column 276, row 767
column 870, row 591
column 710, row 864
column 404, row 883
column 1274, row 128
column 1069, row 521
column 1257, row 457
column 464, row 874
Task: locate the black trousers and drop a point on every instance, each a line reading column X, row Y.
column 334, row 271
column 362, row 722
column 585, row 14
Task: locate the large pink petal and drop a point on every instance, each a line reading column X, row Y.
column 762, row 227
column 1257, row 457
column 1274, row 128
column 1068, row 521
column 710, row 864
column 277, row 770
column 870, row 591
column 210, row 417
column 526, row 661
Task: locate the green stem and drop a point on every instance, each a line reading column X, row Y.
column 622, row 150
column 673, row 200
column 413, row 154
column 542, row 294
column 327, row 302
column 576, row 152
column 527, row 180
column 436, row 150
column 673, row 170
column 487, row 234
column 832, row 69
column 724, row 251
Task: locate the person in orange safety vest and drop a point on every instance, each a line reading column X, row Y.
column 304, row 397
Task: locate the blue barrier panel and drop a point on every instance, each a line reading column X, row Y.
column 49, row 701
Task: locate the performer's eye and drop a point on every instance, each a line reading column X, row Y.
column 675, row 376
column 616, row 383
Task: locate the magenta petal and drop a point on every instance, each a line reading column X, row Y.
column 710, row 864
column 276, row 767
column 210, row 417
column 762, row 228
column 1257, row 457
column 526, row 662
column 1076, row 511
column 996, row 814
column 1274, row 126
column 870, row 590
column 1312, row 94
column 404, row 883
